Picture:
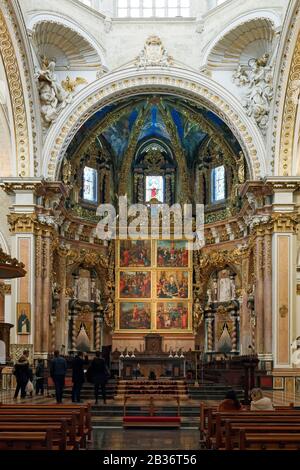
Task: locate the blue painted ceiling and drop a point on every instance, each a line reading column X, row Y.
column 118, row 134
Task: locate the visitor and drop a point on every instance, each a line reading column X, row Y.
column 259, row 402
column 22, row 374
column 100, row 375
column 39, row 377
column 230, row 403
column 77, row 376
column 58, row 370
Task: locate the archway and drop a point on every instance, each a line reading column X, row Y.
column 173, row 81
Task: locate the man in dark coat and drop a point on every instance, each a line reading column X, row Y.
column 100, row 374
column 58, row 370
column 77, row 376
column 22, row 373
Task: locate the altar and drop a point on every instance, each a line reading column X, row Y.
column 163, row 366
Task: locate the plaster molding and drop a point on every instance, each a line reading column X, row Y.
column 127, row 82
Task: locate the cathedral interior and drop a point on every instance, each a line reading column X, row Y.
column 163, row 104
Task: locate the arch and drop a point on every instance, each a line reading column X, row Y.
column 70, row 24
column 261, row 19
column 128, row 82
column 286, row 115
column 19, row 88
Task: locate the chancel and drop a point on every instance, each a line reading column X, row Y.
column 122, row 125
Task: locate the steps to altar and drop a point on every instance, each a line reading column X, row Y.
column 159, row 389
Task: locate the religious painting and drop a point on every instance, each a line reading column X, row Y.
column 135, row 253
column 224, row 326
column 172, row 253
column 135, row 316
column 172, row 285
column 135, row 284
column 84, row 286
column 172, row 316
column 23, row 318
column 84, row 330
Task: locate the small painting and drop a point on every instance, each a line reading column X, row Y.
column 172, row 316
column 135, row 253
column 135, row 284
column 135, row 316
column 23, row 318
column 172, row 254
column 172, row 284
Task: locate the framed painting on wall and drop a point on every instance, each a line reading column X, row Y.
column 172, row 254
column 172, row 285
column 135, row 253
column 135, row 316
column 23, row 318
column 135, row 284
column 172, row 316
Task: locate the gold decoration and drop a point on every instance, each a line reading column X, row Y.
column 16, row 93
column 290, row 114
column 283, row 311
column 285, row 222
column 298, row 289
column 5, row 289
column 69, row 84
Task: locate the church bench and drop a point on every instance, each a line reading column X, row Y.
column 271, row 441
column 74, row 437
column 84, row 410
column 152, row 421
column 59, row 432
column 215, row 428
column 26, row 440
column 232, row 431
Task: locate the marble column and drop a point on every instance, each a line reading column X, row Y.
column 61, row 322
column 38, row 295
column 47, row 292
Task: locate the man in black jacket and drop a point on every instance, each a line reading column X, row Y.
column 22, row 374
column 58, row 370
column 77, row 376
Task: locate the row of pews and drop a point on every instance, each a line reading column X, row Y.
column 45, row 427
column 250, row 430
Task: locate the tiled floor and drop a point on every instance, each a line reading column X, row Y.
column 144, row 439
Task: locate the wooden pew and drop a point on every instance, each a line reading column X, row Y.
column 59, row 432
column 84, row 410
column 216, row 422
column 26, row 440
column 270, row 441
column 72, row 430
column 233, row 430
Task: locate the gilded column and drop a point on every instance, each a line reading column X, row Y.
column 259, row 293
column 268, row 293
column 38, row 295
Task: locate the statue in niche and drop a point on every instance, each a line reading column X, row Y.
column 197, row 315
column 53, row 97
column 83, row 289
column 109, row 313
column 98, row 296
column 225, row 343
column 82, row 340
column 232, row 287
column 224, row 287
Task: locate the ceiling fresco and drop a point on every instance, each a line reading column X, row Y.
column 118, row 132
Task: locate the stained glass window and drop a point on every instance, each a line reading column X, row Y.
column 218, row 183
column 90, row 184
column 155, row 188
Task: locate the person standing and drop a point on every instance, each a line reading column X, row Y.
column 100, row 374
column 58, row 370
column 22, row 374
column 39, row 374
column 77, row 376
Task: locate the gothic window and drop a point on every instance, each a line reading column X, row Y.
column 218, row 184
column 150, row 8
column 90, row 185
column 154, row 188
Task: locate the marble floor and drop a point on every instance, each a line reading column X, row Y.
column 145, row 439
